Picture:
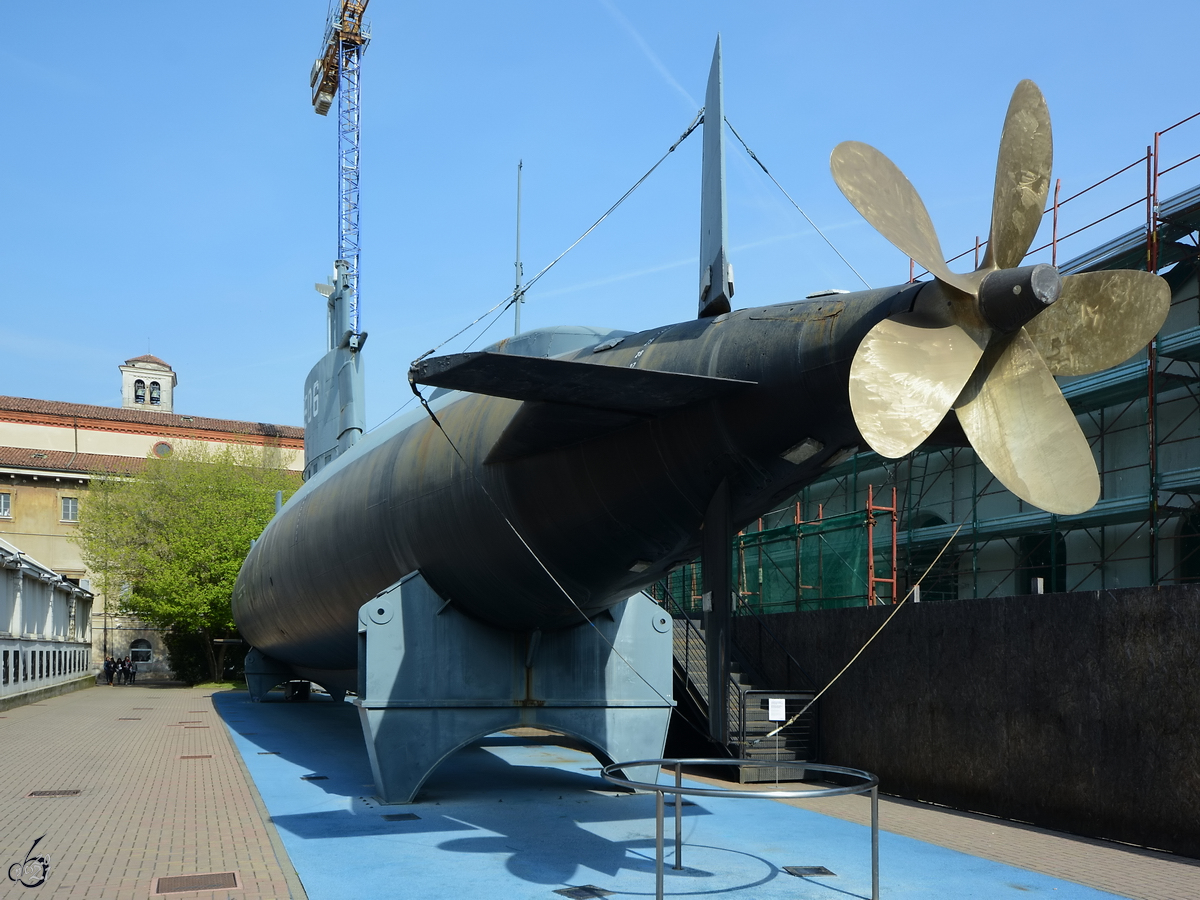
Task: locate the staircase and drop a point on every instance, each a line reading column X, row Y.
column 748, row 709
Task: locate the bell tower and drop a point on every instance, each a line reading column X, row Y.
column 147, row 383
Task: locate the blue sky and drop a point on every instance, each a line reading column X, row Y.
column 167, row 188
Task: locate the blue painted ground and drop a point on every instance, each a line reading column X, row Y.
column 508, row 819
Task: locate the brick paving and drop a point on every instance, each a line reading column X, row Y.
column 1105, row 865
column 143, row 812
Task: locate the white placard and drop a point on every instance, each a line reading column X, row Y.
column 776, row 709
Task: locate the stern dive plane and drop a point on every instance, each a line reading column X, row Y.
column 483, row 570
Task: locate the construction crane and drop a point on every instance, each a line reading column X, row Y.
column 336, row 73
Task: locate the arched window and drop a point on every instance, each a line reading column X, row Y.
column 139, row 391
column 139, row 651
column 155, row 393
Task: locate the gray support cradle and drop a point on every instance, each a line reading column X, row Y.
column 263, row 673
column 431, row 680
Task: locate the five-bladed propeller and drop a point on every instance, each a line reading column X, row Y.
column 989, row 343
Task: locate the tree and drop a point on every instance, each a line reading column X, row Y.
column 171, row 539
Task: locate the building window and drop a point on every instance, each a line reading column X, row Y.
column 155, row 393
column 161, row 449
column 140, row 652
column 5, row 506
column 139, row 391
column 70, row 509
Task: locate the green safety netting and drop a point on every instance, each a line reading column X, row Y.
column 813, row 565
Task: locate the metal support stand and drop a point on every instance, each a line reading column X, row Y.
column 263, row 673
column 431, row 680
column 867, row 782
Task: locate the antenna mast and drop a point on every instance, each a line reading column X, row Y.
column 336, row 71
column 518, row 294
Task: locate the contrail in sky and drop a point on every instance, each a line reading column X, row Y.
column 650, row 55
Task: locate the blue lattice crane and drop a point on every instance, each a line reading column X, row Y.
column 333, row 392
column 336, row 73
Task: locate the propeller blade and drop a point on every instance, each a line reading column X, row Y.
column 1022, row 178
column 1100, row 320
column 904, row 379
column 885, row 198
column 1023, row 430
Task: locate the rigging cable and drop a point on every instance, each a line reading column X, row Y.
column 510, row 299
column 558, row 584
column 795, row 204
column 863, row 648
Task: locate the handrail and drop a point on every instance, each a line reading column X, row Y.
column 736, row 701
column 869, row 782
column 733, row 700
column 791, row 660
column 689, row 629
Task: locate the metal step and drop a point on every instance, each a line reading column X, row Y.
column 794, row 745
column 761, row 774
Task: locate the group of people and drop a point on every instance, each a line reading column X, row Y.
column 123, row 670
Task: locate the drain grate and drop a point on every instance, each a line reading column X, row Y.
column 189, row 722
column 584, row 892
column 143, row 708
column 53, row 794
column 195, row 726
column 314, row 777
column 807, row 871
column 268, row 752
column 130, row 719
column 178, row 884
column 200, row 756
column 400, row 817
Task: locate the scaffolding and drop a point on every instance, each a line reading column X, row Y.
column 1141, row 418
column 797, row 565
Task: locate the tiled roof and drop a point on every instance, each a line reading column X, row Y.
column 66, row 461
column 84, row 411
column 146, row 358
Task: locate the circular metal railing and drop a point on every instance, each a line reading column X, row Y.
column 867, row 783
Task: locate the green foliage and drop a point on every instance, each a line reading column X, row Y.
column 170, row 540
column 190, row 651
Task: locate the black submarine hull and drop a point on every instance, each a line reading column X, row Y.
column 532, row 515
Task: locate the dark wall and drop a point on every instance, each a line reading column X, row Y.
column 1078, row 712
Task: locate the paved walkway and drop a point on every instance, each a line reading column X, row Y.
column 1116, row 868
column 145, row 811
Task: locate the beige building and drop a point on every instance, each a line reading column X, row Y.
column 50, row 450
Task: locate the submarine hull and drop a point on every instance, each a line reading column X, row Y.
column 534, row 515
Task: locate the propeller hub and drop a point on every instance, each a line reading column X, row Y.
column 1008, row 298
